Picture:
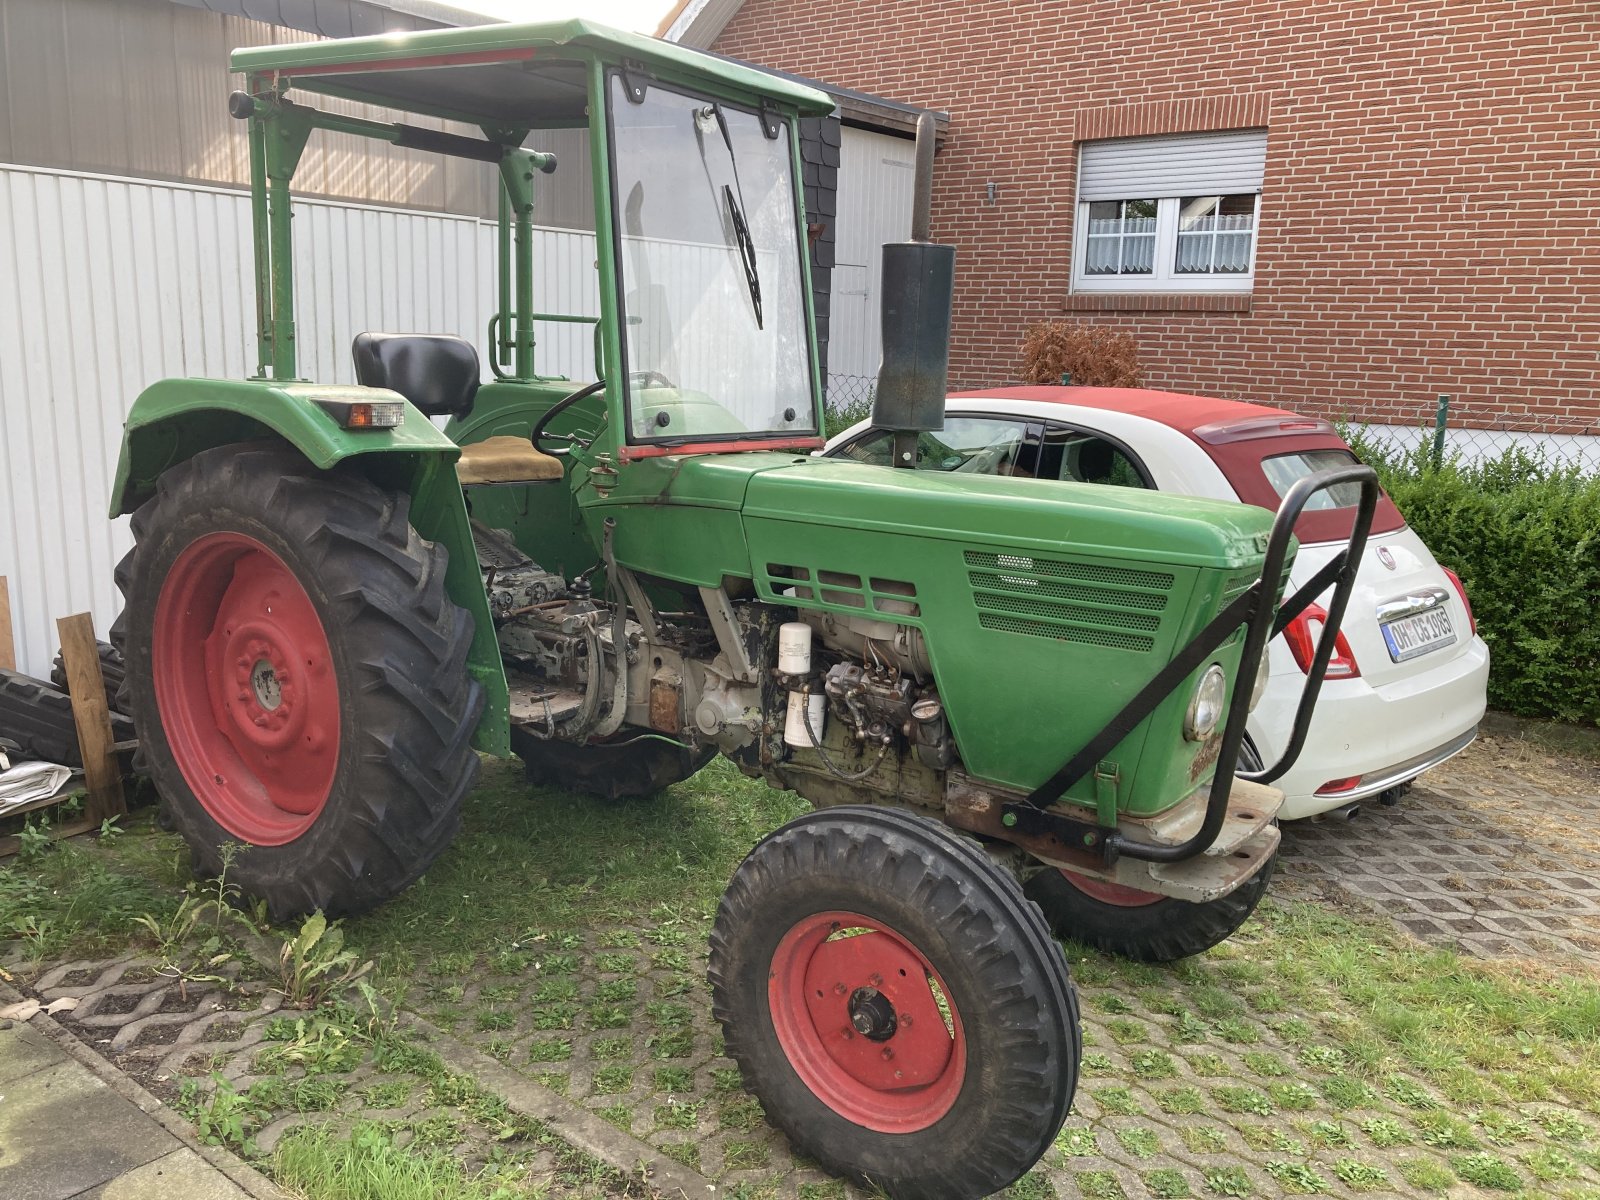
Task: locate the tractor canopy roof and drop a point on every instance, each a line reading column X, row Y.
column 522, row 75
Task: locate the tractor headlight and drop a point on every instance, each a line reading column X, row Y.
column 1205, row 709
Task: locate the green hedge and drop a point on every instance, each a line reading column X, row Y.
column 1525, row 538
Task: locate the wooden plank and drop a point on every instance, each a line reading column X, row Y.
column 81, row 657
column 8, row 648
column 10, row 845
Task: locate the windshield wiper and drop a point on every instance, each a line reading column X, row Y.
column 747, row 252
column 741, row 230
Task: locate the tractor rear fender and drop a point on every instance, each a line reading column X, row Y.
column 175, row 419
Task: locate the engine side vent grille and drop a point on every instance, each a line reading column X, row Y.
column 1094, row 637
column 1069, row 601
column 892, row 597
column 1150, row 601
column 1066, row 569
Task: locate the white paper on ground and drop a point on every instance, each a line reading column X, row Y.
column 31, row 781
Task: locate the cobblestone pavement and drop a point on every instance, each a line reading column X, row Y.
column 1496, row 853
column 1220, row 1076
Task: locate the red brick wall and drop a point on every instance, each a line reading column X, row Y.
column 1431, row 214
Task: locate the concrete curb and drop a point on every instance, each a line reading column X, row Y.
column 567, row 1119
column 236, row 1169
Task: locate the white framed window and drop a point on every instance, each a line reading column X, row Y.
column 1169, row 214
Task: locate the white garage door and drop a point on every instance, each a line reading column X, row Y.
column 875, row 177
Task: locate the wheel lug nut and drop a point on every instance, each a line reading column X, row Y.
column 875, row 979
column 838, row 989
column 899, row 1074
column 887, row 1054
column 848, row 1032
column 905, row 1018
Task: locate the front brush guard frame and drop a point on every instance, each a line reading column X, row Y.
column 1253, row 609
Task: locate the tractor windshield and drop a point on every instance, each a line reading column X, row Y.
column 712, row 285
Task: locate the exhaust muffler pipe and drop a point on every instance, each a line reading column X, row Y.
column 918, row 283
column 1345, row 812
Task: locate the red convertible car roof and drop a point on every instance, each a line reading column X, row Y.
column 1236, row 435
column 1173, row 409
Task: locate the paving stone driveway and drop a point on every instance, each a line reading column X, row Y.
column 1496, row 853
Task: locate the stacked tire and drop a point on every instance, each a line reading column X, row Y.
column 37, row 716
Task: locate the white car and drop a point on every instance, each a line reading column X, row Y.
column 1405, row 689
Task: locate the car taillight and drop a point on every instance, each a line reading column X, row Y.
column 1302, row 634
column 1335, row 786
column 1455, row 582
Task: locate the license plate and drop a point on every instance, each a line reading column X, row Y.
column 1411, row 637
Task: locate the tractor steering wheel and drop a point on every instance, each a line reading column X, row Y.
column 560, row 406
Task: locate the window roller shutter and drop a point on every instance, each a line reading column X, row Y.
column 1191, row 164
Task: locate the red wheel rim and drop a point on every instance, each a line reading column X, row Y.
column 1110, row 893
column 246, row 689
column 856, row 1008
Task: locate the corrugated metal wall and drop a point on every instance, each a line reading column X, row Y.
column 111, row 284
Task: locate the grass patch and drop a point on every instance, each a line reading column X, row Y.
column 1099, row 1185
column 1166, row 1184
column 1118, row 1100
column 316, row 1163
column 1154, row 1064
column 608, row 1080
column 1426, row 1174
column 1487, row 1171
column 1296, row 1178
column 1139, row 1142
column 1361, row 1176
column 78, row 899
column 1228, row 1181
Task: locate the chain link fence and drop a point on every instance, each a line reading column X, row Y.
column 848, row 399
column 1531, row 450
column 1535, row 446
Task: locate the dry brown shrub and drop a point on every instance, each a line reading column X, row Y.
column 1092, row 355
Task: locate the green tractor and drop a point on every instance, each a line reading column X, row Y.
column 983, row 684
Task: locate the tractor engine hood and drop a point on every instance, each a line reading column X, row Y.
column 1043, row 605
column 999, row 511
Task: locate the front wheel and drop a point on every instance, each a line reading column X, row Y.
column 894, row 1002
column 298, row 677
column 1142, row 925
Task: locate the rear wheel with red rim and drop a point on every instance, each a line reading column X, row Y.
column 297, row 676
column 245, row 684
column 897, row 1006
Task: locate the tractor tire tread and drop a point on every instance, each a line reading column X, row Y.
column 993, row 1134
column 1162, row 932
column 407, row 646
column 110, row 670
column 38, row 717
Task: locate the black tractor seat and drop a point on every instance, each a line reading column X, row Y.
column 439, row 375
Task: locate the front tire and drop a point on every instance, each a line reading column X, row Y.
column 298, row 677
column 1142, row 925
column 894, row 1002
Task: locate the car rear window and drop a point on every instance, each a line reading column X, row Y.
column 1263, row 465
column 1283, row 471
